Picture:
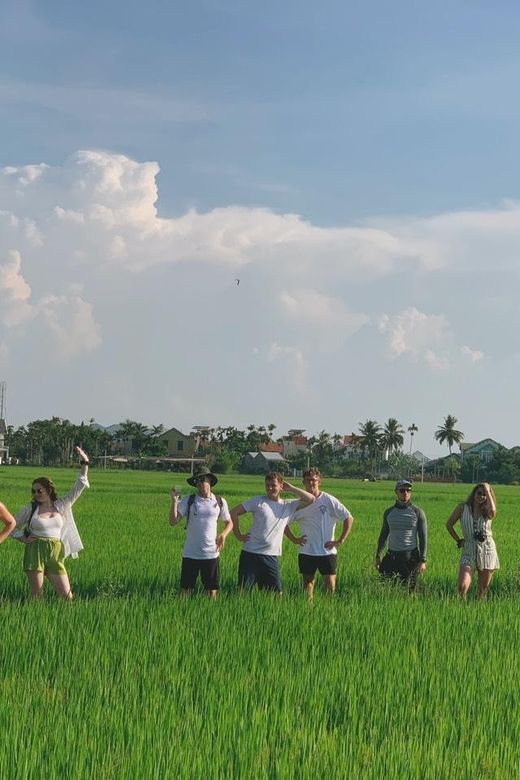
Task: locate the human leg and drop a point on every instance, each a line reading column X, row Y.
column 61, row 584
column 328, row 566
column 247, row 570
column 210, row 576
column 269, row 576
column 307, row 568
column 388, row 568
column 308, row 586
column 483, row 581
column 189, row 574
column 329, row 584
column 35, row 580
column 464, row 580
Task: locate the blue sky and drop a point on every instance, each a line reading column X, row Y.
column 355, row 165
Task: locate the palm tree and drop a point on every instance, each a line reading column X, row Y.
column 392, row 437
column 370, row 434
column 411, row 430
column 447, row 432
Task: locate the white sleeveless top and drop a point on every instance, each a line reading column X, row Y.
column 47, row 527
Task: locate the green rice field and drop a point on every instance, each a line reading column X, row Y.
column 131, row 681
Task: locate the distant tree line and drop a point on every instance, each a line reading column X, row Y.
column 374, row 450
column 51, row 442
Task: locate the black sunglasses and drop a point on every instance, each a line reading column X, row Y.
column 36, row 490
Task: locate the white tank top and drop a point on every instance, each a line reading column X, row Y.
column 47, row 527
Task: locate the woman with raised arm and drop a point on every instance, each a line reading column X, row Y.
column 46, row 526
column 478, row 546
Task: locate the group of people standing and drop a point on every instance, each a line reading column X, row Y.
column 47, row 529
column 315, row 511
column 404, row 535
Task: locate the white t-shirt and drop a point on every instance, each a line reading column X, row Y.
column 201, row 531
column 269, row 521
column 318, row 521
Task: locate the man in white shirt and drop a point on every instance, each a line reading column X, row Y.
column 202, row 547
column 259, row 559
column 317, row 523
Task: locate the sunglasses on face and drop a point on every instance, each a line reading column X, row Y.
column 405, row 490
column 480, row 493
column 36, row 490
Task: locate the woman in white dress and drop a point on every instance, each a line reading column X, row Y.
column 478, row 546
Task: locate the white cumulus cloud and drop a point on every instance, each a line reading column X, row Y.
column 473, row 355
column 319, row 319
column 14, row 291
column 414, row 333
column 71, row 322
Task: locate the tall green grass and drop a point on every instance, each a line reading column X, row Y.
column 131, row 681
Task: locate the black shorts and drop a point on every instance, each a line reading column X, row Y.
column 264, row 570
column 310, row 564
column 208, row 568
column 401, row 565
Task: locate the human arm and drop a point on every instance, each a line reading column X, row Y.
column 383, row 536
column 305, row 498
column 450, row 523
column 9, row 522
column 348, row 522
column 235, row 513
column 84, row 461
column 299, row 540
column 490, row 501
column 221, row 538
column 175, row 515
column 21, row 519
column 80, row 484
column 422, row 533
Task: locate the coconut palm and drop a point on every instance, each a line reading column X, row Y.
column 411, row 430
column 392, row 437
column 370, row 434
column 448, row 433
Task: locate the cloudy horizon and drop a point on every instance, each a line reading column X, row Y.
column 203, row 236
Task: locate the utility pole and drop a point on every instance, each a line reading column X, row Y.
column 3, row 399
column 4, row 451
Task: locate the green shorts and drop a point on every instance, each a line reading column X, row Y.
column 46, row 555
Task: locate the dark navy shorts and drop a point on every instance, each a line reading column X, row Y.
column 208, row 568
column 264, row 570
column 310, row 564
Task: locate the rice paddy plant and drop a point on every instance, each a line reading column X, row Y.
column 132, row 681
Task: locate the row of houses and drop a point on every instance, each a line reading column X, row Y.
column 292, row 444
column 185, row 446
column 296, row 443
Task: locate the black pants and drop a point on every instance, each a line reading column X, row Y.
column 401, row 566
